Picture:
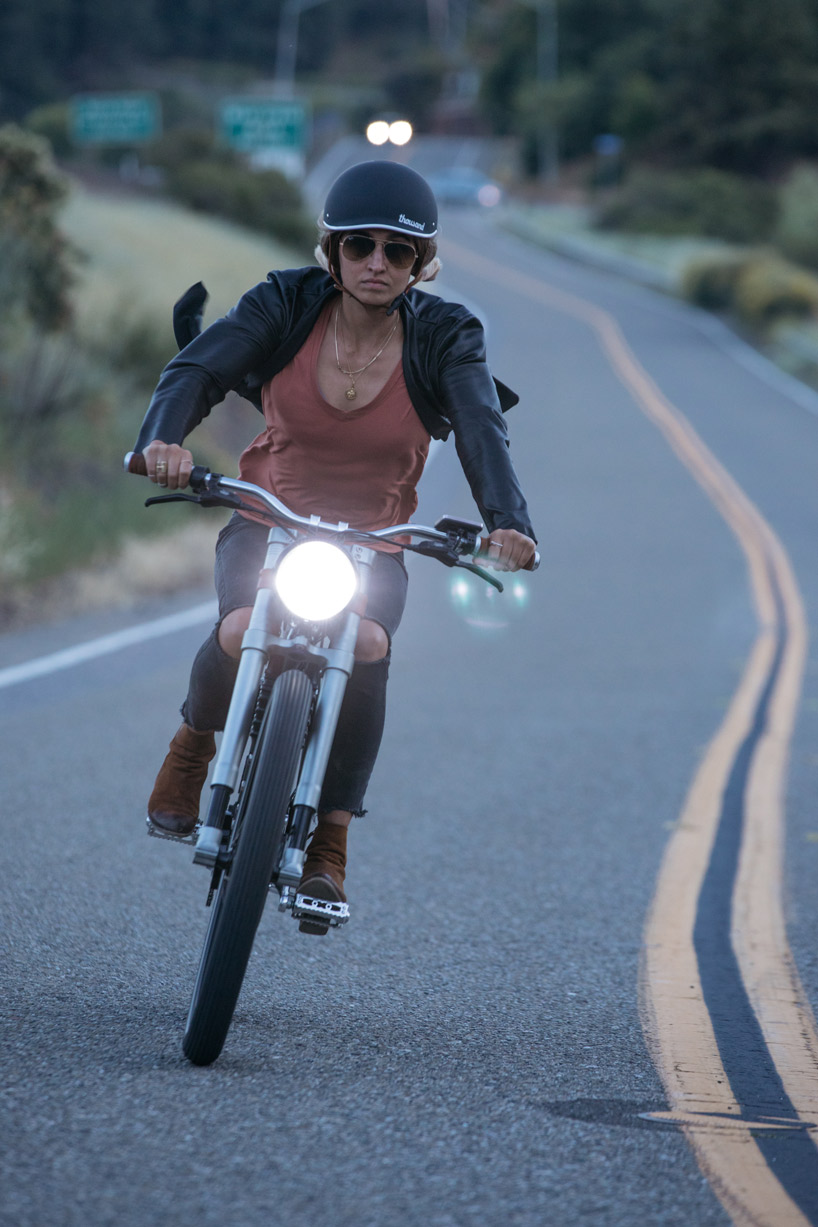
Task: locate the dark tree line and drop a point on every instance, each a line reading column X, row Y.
column 51, row 48
column 727, row 83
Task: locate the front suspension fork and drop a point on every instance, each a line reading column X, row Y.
column 339, row 660
column 237, row 726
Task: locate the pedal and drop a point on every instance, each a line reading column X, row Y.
column 322, row 911
column 158, row 833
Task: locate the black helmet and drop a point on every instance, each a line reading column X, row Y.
column 383, row 195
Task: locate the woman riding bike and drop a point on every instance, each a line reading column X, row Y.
column 355, row 371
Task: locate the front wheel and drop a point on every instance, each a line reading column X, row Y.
column 242, row 892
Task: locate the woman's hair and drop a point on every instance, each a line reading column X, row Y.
column 425, row 268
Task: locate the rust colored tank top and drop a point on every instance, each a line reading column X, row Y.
column 359, row 465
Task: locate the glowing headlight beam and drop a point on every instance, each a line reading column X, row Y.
column 377, row 133
column 400, row 132
column 316, row 580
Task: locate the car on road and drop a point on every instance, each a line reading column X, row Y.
column 464, row 185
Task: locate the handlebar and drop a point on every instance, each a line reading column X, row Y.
column 203, row 481
column 134, row 462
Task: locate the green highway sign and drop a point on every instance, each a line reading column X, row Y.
column 253, row 124
column 115, row 119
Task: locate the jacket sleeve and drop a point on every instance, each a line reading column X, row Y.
column 212, row 364
column 470, row 402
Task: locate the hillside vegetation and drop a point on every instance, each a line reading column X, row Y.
column 72, row 399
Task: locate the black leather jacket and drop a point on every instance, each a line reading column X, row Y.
column 444, row 365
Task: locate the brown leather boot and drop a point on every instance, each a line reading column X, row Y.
column 324, row 869
column 174, row 803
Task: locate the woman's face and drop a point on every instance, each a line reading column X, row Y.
column 375, row 280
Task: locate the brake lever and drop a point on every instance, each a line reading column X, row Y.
column 171, row 498
column 483, row 573
column 449, row 558
column 203, row 500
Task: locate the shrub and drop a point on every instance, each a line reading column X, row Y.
column 179, row 145
column 759, row 287
column 37, row 261
column 710, row 281
column 43, row 377
column 770, row 289
column 696, row 202
column 796, row 232
column 262, row 200
column 131, row 342
column 52, row 122
column 214, row 180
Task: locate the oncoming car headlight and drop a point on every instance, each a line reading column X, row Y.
column 316, row 580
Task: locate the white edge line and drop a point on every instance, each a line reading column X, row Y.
column 41, row 666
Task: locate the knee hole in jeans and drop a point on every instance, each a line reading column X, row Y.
column 232, row 628
column 373, row 643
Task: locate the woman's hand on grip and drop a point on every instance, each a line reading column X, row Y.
column 168, row 464
column 509, row 550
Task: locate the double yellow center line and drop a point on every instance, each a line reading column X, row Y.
column 724, row 1014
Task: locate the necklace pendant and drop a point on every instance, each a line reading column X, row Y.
column 350, row 394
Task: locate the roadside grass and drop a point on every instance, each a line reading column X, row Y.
column 74, row 532
column 657, row 260
column 777, row 317
column 141, row 254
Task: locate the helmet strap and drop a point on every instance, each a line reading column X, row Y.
column 396, row 303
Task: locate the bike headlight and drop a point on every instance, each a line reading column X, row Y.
column 316, row 580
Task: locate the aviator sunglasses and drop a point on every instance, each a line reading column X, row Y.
column 359, row 247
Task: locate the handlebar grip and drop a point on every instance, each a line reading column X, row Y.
column 134, row 462
column 197, row 476
column 535, row 562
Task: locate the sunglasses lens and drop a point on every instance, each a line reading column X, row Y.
column 400, row 254
column 360, row 247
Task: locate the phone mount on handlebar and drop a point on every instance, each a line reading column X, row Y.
column 466, row 531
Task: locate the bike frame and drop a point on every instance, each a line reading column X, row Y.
column 327, row 652
column 332, row 657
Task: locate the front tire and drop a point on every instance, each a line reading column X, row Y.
column 242, row 892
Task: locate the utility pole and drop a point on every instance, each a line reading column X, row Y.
column 548, row 71
column 547, row 74
column 287, row 45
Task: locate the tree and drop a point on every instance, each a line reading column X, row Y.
column 606, row 49
column 740, row 82
column 34, row 255
column 727, row 83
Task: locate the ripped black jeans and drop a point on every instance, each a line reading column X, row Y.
column 240, row 554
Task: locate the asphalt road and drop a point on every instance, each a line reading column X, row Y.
column 470, row 1049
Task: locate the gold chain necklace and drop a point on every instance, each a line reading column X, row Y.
column 351, row 393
